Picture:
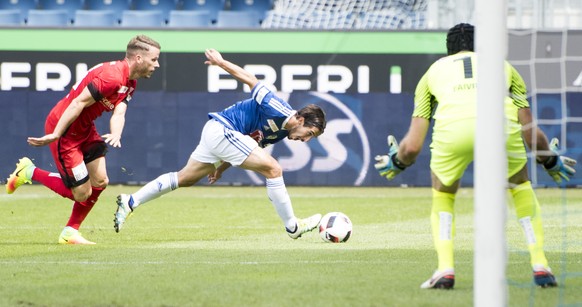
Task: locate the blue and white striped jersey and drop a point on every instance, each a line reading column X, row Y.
column 262, row 116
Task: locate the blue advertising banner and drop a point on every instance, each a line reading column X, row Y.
column 163, row 128
column 366, row 90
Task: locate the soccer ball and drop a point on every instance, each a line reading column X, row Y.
column 335, row 227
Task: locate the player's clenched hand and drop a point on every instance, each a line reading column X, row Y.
column 559, row 167
column 385, row 164
column 214, row 57
column 214, row 176
column 112, row 139
column 42, row 141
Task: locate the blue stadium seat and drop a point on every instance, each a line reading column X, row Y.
column 70, row 6
column 189, row 19
column 23, row 6
column 251, row 5
column 238, row 19
column 117, row 6
column 10, row 18
column 164, row 6
column 48, row 18
column 212, row 6
column 98, row 18
column 261, row 7
column 142, row 19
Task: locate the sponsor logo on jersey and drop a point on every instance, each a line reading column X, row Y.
column 272, row 125
column 107, row 104
column 123, row 89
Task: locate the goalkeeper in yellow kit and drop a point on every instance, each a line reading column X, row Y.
column 447, row 94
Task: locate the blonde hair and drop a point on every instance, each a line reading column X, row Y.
column 140, row 43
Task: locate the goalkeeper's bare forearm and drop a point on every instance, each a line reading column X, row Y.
column 535, row 139
column 412, row 143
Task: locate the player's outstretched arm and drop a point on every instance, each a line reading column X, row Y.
column 215, row 58
column 43, row 140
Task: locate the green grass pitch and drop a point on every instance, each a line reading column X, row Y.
column 225, row 246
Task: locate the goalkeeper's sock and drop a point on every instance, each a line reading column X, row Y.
column 528, row 211
column 278, row 195
column 442, row 219
column 155, row 188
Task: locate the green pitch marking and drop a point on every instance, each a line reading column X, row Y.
column 92, row 40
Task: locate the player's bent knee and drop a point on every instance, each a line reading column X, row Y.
column 81, row 196
column 102, row 183
column 83, row 192
column 274, row 171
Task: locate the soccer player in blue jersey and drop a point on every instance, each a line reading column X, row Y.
column 236, row 136
column 447, row 94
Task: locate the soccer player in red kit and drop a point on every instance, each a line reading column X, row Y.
column 78, row 150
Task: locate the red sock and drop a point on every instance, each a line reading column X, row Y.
column 81, row 210
column 52, row 181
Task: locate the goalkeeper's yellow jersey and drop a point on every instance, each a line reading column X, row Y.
column 447, row 92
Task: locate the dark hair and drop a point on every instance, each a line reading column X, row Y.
column 460, row 37
column 313, row 116
column 140, row 43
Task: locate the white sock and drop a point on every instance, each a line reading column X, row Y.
column 278, row 195
column 155, row 188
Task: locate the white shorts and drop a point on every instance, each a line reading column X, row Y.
column 220, row 143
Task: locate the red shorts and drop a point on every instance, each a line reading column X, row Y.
column 73, row 150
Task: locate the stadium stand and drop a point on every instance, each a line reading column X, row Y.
column 285, row 20
column 261, row 7
column 96, row 18
column 330, row 20
column 10, row 18
column 23, row 6
column 70, row 6
column 251, row 5
column 116, row 6
column 142, row 19
column 189, row 19
column 238, row 19
column 382, row 19
column 415, row 20
column 164, row 6
column 48, row 18
column 212, row 6
column 299, row 14
column 276, row 14
column 346, row 14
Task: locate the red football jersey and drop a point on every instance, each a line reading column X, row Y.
column 109, row 85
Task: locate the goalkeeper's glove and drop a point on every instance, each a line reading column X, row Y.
column 388, row 165
column 559, row 167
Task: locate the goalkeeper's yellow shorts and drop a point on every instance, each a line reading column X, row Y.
column 452, row 152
